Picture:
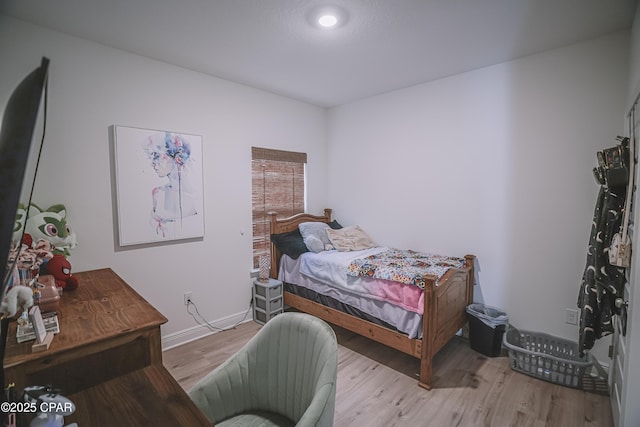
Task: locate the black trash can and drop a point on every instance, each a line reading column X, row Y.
column 486, row 328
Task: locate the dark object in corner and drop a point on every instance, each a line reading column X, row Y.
column 486, row 328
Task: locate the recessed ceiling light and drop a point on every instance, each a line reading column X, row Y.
column 328, row 21
column 328, row 16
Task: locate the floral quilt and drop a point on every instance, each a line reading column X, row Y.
column 404, row 266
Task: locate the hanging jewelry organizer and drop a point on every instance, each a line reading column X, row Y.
column 620, row 250
column 605, row 280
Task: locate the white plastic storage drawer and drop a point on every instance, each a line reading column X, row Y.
column 261, row 317
column 268, row 306
column 268, row 290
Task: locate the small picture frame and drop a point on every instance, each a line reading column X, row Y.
column 38, row 324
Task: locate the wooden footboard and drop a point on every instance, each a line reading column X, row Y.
column 444, row 306
column 444, row 313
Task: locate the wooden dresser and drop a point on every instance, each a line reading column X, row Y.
column 107, row 358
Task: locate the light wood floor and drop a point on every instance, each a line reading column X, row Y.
column 377, row 386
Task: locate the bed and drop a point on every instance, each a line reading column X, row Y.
column 443, row 312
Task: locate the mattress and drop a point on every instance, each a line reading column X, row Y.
column 395, row 304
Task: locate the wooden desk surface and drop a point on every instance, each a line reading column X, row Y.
column 106, row 330
column 107, row 359
column 103, row 307
column 145, row 397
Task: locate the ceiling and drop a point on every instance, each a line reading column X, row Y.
column 385, row 44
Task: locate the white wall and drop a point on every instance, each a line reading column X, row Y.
column 515, row 144
column 93, row 87
column 495, row 162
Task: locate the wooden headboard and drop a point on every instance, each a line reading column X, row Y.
column 283, row 225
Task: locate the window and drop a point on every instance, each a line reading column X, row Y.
column 278, row 185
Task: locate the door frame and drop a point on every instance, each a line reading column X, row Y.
column 629, row 373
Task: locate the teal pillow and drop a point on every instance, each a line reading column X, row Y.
column 290, row 243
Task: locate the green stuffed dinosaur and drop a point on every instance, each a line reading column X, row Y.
column 49, row 224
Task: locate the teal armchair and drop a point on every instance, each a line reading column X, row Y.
column 284, row 376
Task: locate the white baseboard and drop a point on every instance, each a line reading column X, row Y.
column 176, row 339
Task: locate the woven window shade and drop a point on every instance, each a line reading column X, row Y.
column 258, row 153
column 277, row 186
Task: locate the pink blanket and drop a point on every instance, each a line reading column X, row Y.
column 375, row 280
column 408, row 297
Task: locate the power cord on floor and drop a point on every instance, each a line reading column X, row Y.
column 200, row 320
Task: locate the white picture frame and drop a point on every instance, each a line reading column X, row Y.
column 35, row 317
column 159, row 185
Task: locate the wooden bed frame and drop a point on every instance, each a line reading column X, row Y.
column 444, row 305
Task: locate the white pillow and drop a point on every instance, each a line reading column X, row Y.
column 313, row 244
column 314, row 235
column 350, row 238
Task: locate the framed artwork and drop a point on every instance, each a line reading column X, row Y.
column 159, row 185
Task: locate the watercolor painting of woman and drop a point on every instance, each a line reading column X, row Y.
column 159, row 185
column 175, row 200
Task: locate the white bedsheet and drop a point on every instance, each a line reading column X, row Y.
column 333, row 282
column 330, row 267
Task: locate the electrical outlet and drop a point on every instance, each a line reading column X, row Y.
column 571, row 316
column 187, row 297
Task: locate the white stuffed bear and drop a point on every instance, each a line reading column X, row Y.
column 17, row 297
